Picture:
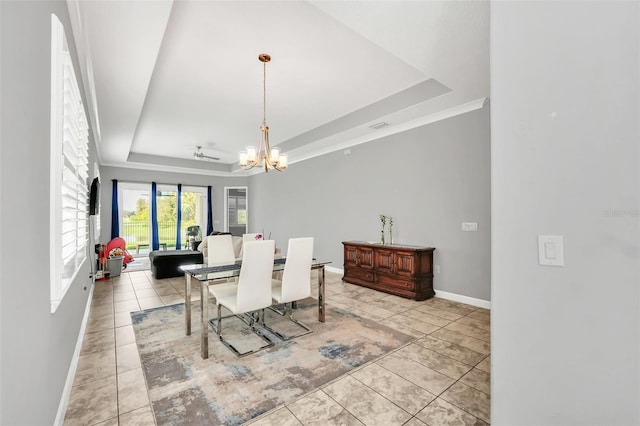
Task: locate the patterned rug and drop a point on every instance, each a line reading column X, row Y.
column 138, row 264
column 184, row 389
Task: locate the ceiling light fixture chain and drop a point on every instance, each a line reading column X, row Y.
column 270, row 157
column 264, row 88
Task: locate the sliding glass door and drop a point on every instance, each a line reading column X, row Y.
column 236, row 210
column 135, row 215
column 167, row 199
column 194, row 216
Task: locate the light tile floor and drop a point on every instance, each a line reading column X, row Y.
column 441, row 378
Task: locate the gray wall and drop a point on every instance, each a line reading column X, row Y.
column 37, row 346
column 565, row 161
column 107, row 174
column 430, row 179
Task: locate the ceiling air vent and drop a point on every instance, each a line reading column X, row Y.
column 379, row 125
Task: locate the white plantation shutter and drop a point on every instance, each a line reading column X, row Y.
column 69, row 170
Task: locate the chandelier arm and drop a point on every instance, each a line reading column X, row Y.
column 264, row 143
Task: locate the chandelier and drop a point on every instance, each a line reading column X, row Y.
column 271, row 158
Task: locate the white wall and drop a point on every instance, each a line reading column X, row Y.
column 37, row 346
column 565, row 161
column 430, row 179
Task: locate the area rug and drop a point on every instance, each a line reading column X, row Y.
column 138, row 264
column 184, row 389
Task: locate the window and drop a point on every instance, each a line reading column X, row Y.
column 69, row 170
column 167, row 202
column 134, row 209
column 194, row 213
column 235, row 210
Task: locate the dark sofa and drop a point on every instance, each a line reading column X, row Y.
column 166, row 264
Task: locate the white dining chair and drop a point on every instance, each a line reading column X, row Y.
column 296, row 282
column 248, row 238
column 220, row 249
column 252, row 237
column 251, row 294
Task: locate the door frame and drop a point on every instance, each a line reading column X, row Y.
column 226, row 205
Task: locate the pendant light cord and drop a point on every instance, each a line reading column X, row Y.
column 264, row 94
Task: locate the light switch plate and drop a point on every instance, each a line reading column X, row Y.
column 550, row 250
column 470, row 226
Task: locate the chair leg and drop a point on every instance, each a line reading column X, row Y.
column 292, row 319
column 294, row 305
column 281, row 313
column 251, row 323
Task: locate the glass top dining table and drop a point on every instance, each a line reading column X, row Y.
column 213, row 274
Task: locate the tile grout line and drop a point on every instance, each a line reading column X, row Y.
column 448, row 387
column 373, row 390
column 115, row 345
column 145, row 380
column 415, row 339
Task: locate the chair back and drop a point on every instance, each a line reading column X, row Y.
column 254, row 282
column 258, row 236
column 296, row 279
column 252, row 237
column 220, row 249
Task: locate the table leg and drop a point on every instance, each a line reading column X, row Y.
column 321, row 291
column 187, row 304
column 204, row 309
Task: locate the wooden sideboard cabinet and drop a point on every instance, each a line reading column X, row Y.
column 401, row 270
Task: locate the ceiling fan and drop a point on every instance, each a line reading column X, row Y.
column 200, row 155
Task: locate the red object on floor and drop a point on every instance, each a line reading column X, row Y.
column 122, row 245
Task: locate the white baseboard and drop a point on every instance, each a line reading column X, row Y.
column 334, row 269
column 71, row 374
column 442, row 294
column 463, row 299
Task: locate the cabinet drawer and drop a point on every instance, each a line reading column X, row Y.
column 360, row 274
column 395, row 282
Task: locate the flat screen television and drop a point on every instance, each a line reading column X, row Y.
column 94, row 197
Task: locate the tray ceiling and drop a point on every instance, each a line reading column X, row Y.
column 164, row 76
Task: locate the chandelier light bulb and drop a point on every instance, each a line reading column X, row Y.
column 243, row 158
column 282, row 161
column 252, row 154
column 275, row 155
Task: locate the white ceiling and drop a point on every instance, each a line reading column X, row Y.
column 164, row 76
